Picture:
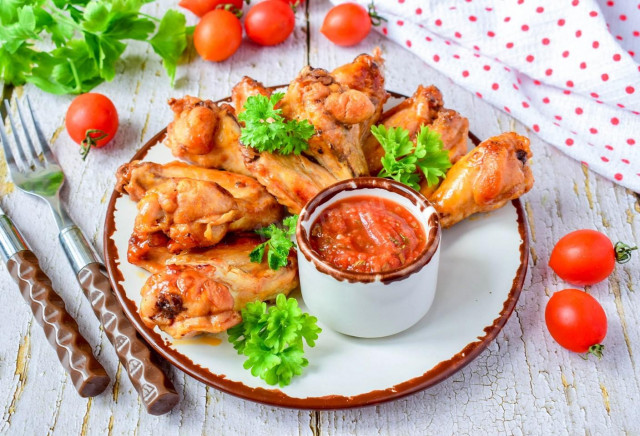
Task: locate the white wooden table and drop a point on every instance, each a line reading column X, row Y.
column 524, row 383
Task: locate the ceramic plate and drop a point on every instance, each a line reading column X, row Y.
column 482, row 269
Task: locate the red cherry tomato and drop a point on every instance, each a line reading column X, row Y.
column 576, row 321
column 218, row 35
column 585, row 257
column 294, row 3
column 201, row 7
column 270, row 22
column 346, row 24
column 91, row 121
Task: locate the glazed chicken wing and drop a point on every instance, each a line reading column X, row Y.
column 202, row 292
column 491, row 174
column 244, row 89
column 257, row 208
column 424, row 108
column 342, row 111
column 292, row 179
column 205, row 134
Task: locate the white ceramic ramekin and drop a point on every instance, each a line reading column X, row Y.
column 369, row 305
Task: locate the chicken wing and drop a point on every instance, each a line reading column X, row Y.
column 192, row 213
column 424, row 108
column 292, row 179
column 205, row 134
column 342, row 112
column 202, row 292
column 244, row 89
column 491, row 174
column 256, row 206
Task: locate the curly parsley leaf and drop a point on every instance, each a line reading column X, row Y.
column 279, row 243
column 403, row 158
column 89, row 37
column 273, row 339
column 265, row 129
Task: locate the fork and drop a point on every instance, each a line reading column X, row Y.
column 36, row 172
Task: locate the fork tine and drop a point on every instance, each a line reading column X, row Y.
column 44, row 144
column 22, row 157
column 8, row 153
column 32, row 148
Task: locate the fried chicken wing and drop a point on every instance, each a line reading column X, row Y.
column 292, row 179
column 256, row 206
column 205, row 134
column 202, row 292
column 192, row 213
column 244, row 89
column 342, row 108
column 491, row 174
column 424, row 108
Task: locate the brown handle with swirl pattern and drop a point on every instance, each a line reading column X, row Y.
column 88, row 376
column 153, row 386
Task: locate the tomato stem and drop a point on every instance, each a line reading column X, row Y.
column 91, row 141
column 231, row 8
column 623, row 252
column 376, row 19
column 596, row 350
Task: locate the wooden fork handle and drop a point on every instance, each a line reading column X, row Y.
column 153, row 386
column 88, row 376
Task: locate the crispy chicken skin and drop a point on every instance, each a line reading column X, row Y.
column 292, row 179
column 192, row 213
column 202, row 292
column 256, row 206
column 491, row 174
column 185, row 301
column 244, row 89
column 424, row 108
column 205, row 134
column 342, row 108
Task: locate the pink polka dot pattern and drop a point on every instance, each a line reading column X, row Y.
column 567, row 70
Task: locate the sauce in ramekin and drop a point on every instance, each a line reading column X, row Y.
column 367, row 234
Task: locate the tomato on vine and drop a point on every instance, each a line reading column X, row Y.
column 91, row 121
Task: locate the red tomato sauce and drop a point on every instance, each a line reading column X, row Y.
column 367, row 234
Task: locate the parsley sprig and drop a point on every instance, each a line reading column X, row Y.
column 279, row 243
column 272, row 339
column 403, row 158
column 88, row 38
column 265, row 129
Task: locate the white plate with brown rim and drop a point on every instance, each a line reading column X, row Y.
column 483, row 263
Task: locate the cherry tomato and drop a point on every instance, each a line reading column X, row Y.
column 293, row 3
column 585, row 257
column 218, row 35
column 576, row 321
column 91, row 121
column 201, row 7
column 346, row 24
column 270, row 22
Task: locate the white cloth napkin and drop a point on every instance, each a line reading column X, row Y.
column 566, row 69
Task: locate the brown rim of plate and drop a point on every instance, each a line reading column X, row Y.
column 275, row 397
column 397, row 188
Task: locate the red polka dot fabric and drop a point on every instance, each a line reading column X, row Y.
column 568, row 70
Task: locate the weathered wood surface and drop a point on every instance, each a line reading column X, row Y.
column 524, row 383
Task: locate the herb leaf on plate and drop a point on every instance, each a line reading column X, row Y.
column 273, row 339
column 279, row 243
column 403, row 158
column 265, row 129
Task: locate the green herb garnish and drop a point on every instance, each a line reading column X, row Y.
column 265, row 129
column 272, row 339
column 88, row 37
column 279, row 243
column 402, row 157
